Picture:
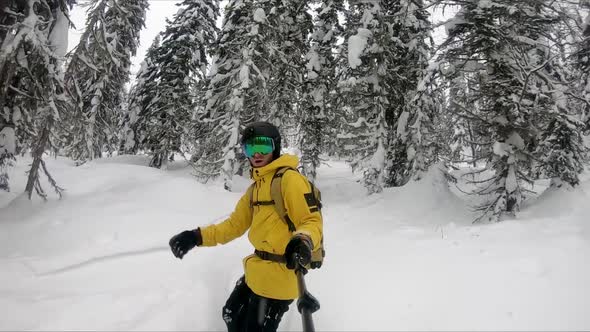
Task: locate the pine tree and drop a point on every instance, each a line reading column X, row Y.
column 561, row 150
column 502, row 48
column 9, row 66
column 365, row 90
column 7, row 151
column 428, row 129
column 174, row 70
column 584, row 65
column 236, row 90
column 32, row 86
column 318, row 104
column 389, row 90
column 289, row 26
column 468, row 140
column 142, row 97
column 419, row 97
column 97, row 74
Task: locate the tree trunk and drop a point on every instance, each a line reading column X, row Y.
column 37, row 156
column 7, row 70
column 472, row 145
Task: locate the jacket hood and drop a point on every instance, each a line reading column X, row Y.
column 285, row 160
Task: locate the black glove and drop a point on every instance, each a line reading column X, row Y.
column 298, row 251
column 185, row 241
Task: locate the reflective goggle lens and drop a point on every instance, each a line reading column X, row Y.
column 259, row 144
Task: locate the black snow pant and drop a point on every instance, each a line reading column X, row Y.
column 245, row 311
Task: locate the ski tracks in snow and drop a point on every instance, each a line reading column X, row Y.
column 91, row 261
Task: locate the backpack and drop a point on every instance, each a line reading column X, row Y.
column 317, row 256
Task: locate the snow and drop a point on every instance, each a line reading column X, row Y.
column 253, row 30
column 13, row 41
column 402, row 123
column 453, row 22
column 313, row 64
column 377, row 160
column 559, row 95
column 515, row 140
column 58, row 39
column 244, row 75
column 7, row 140
column 501, row 149
column 328, row 36
column 511, row 181
column 411, row 153
column 406, row 259
column 485, row 4
column 259, row 15
column 356, row 46
column 16, row 115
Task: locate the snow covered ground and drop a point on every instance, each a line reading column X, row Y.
column 408, row 259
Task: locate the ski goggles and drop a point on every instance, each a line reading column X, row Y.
column 258, row 144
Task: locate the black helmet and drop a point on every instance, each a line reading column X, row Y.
column 267, row 129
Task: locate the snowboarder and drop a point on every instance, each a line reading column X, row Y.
column 269, row 285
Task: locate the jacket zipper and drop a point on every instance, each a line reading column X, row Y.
column 258, row 194
column 258, row 187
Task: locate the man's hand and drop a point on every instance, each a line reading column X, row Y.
column 181, row 243
column 298, row 251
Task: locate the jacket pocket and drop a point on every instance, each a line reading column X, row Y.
column 279, row 235
column 246, row 259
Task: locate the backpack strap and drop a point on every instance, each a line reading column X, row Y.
column 277, row 196
column 267, row 256
column 250, row 193
column 318, row 196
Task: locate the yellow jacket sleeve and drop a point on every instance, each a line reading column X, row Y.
column 301, row 208
column 231, row 228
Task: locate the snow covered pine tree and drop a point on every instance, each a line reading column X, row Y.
column 164, row 99
column 32, row 91
column 503, row 49
column 97, row 73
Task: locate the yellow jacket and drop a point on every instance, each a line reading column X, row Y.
column 267, row 231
